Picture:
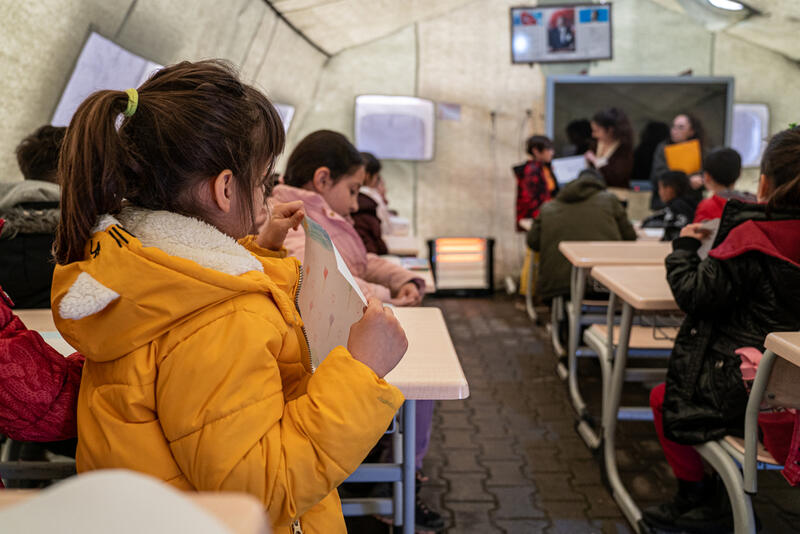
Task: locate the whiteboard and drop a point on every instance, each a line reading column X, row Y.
column 102, row 64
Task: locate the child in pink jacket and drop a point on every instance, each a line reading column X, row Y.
column 325, row 171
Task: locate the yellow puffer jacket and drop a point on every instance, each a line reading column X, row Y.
column 197, row 371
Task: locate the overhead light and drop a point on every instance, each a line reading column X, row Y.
column 730, row 5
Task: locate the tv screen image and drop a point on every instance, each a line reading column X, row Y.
column 578, row 32
column 572, row 100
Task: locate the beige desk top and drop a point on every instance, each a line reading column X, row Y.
column 591, row 253
column 241, row 513
column 430, row 370
column 41, row 320
column 425, row 274
column 642, row 286
column 402, row 245
column 786, row 345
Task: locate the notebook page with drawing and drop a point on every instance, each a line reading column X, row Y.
column 329, row 299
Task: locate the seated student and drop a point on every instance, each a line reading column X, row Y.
column 721, row 169
column 747, row 287
column 679, row 204
column 30, row 209
column 371, row 220
column 196, row 369
column 325, row 171
column 38, row 387
column 535, row 182
column 582, row 211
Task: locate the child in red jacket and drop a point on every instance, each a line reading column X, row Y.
column 535, row 182
column 721, row 169
column 38, row 386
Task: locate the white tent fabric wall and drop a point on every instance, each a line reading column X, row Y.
column 454, row 51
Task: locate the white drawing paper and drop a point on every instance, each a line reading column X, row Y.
column 712, row 226
column 330, row 300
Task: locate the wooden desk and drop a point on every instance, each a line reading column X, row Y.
column 644, row 287
column 425, row 274
column 402, row 245
column 786, row 345
column 430, row 370
column 42, row 322
column 584, row 255
column 592, row 253
column 641, row 288
column 160, row 509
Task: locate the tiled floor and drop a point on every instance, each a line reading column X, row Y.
column 508, row 458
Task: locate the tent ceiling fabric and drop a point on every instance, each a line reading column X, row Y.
column 774, row 27
column 338, row 24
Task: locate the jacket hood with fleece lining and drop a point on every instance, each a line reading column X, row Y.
column 146, row 271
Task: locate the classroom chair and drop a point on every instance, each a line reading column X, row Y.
column 17, row 473
column 647, row 341
column 737, row 460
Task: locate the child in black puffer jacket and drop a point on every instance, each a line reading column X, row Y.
column 748, row 287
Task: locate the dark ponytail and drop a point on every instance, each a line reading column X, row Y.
column 92, row 181
column 193, row 121
column 781, row 166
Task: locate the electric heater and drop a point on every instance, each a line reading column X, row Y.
column 462, row 265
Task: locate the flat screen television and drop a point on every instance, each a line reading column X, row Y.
column 559, row 33
column 645, row 99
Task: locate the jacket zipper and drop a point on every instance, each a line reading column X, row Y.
column 296, row 528
column 303, row 327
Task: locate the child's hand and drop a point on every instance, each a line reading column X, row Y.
column 377, row 340
column 590, row 157
column 696, row 231
column 408, row 295
column 696, row 181
column 282, row 218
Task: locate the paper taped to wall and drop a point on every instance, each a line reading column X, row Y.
column 330, row 300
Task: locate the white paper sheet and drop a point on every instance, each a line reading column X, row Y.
column 713, row 227
column 330, row 300
column 567, row 169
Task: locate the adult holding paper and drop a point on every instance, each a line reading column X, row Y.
column 685, row 127
column 613, row 152
column 326, row 171
column 197, row 371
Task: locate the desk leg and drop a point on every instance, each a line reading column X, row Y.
column 409, row 467
column 577, row 290
column 397, row 458
column 611, row 407
column 529, row 289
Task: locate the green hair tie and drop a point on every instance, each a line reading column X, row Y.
column 133, row 102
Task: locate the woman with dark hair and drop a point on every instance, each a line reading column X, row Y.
column 685, row 127
column 613, row 155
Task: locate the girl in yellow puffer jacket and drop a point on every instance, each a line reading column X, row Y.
column 197, row 370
